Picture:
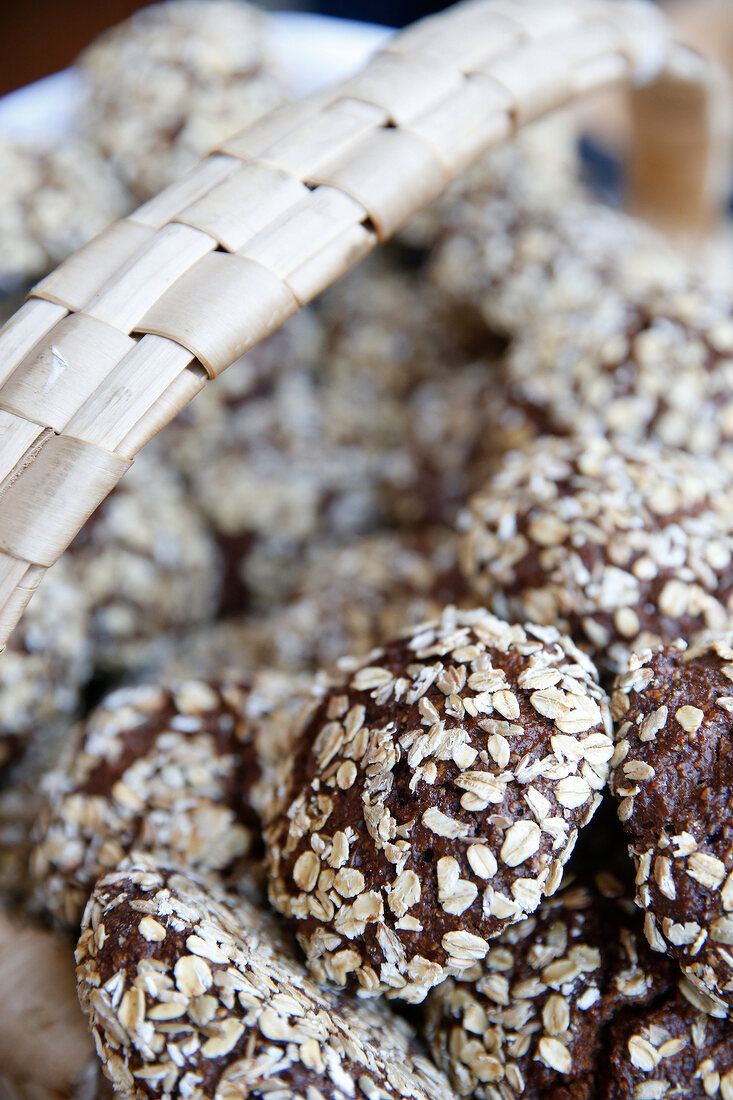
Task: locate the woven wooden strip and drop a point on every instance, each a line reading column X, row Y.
column 599, row 72
column 129, row 294
column 403, row 87
column 63, row 370
column 20, row 334
column 326, row 266
column 12, row 571
column 679, row 123
column 42, row 508
column 541, row 21
column 16, row 435
column 291, row 204
column 480, row 114
column 542, row 74
column 276, row 126
column 365, row 177
column 220, row 308
column 193, row 186
column 467, row 39
column 182, row 390
column 124, row 397
column 79, row 278
column 327, row 136
column 248, row 200
column 313, row 224
column 18, row 599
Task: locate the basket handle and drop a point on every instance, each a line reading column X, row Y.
column 119, row 338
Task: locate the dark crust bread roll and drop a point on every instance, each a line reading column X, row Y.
column 163, row 770
column 433, row 798
column 571, row 1004
column 672, row 775
column 530, row 1017
column 620, row 546
column 191, row 996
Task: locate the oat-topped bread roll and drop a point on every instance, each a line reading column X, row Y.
column 191, row 995
column 146, row 564
column 603, row 313
column 172, row 82
column 53, row 199
column 349, row 599
column 389, row 335
column 636, row 365
column 680, row 1047
column 273, row 467
column 571, row 1003
column 172, row 771
column 672, row 776
column 343, row 423
column 432, row 798
column 43, row 670
column 522, row 249
column 620, row 546
column 353, row 597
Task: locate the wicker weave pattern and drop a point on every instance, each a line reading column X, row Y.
column 118, row 339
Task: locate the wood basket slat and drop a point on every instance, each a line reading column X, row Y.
column 63, row 369
column 118, row 339
column 75, row 282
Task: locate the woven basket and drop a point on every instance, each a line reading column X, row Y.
column 111, row 345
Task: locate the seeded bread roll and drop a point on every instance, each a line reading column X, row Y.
column 672, row 776
column 602, row 312
column 146, row 564
column 522, row 253
column 607, row 371
column 621, row 546
column 43, row 670
column 389, row 335
column 169, row 84
column 349, row 600
column 676, row 1049
column 433, row 797
column 169, row 771
column 191, row 994
column 570, row 1003
column 286, row 473
column 529, row 1019
column 52, row 201
column 341, row 424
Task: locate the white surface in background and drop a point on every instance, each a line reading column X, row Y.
column 313, row 50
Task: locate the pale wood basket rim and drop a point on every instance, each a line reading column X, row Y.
column 118, row 339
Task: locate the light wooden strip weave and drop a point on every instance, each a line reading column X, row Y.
column 121, row 336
